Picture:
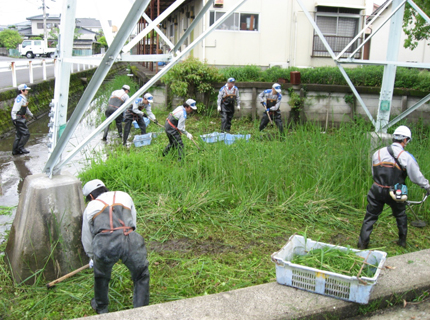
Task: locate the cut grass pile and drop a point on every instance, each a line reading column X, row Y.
column 345, row 262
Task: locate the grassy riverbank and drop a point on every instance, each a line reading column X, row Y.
column 212, row 221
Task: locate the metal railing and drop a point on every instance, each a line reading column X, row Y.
column 337, row 44
column 13, row 66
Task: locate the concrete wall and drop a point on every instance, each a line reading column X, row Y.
column 323, row 103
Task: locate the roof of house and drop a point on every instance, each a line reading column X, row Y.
column 90, row 23
column 376, row 11
column 48, row 17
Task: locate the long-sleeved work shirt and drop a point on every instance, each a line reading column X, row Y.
column 139, row 103
column 180, row 114
column 118, row 97
column 406, row 160
column 20, row 107
column 225, row 91
column 268, row 95
column 95, row 207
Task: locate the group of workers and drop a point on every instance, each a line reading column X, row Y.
column 109, row 221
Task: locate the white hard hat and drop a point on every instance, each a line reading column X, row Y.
column 126, row 87
column 191, row 103
column 402, row 132
column 277, row 87
column 23, row 87
column 92, row 185
column 148, row 96
column 231, row 80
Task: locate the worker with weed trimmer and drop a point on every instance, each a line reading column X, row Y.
column 134, row 112
column 117, row 98
column 108, row 234
column 271, row 101
column 390, row 167
column 228, row 96
column 175, row 126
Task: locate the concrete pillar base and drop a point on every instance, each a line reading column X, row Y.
column 379, row 140
column 46, row 231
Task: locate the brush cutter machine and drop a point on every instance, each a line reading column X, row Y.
column 417, row 223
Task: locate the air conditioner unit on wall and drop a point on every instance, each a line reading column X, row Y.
column 279, row 64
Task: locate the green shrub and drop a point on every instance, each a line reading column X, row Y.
column 247, row 73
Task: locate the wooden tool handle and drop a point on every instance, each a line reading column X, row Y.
column 53, row 283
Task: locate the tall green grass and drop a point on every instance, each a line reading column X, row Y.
column 212, row 221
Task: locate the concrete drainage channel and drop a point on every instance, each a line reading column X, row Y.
column 406, row 279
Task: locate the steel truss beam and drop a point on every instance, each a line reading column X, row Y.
column 54, row 165
column 382, row 123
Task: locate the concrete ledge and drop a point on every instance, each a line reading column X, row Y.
column 273, row 301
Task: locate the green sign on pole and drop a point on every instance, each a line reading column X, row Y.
column 385, row 105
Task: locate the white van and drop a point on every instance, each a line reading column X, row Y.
column 35, row 48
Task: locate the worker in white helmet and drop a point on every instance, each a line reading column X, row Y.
column 134, row 112
column 271, row 101
column 175, row 126
column 228, row 97
column 117, row 98
column 390, row 167
column 108, row 234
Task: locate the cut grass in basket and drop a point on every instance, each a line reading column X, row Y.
column 345, row 262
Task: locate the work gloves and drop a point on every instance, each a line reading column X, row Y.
column 267, row 110
column 91, row 263
column 238, row 107
column 263, row 104
column 219, row 108
column 189, row 136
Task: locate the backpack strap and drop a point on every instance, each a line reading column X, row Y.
column 390, row 151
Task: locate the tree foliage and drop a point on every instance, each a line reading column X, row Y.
column 192, row 76
column 414, row 26
column 53, row 35
column 102, row 41
column 10, row 39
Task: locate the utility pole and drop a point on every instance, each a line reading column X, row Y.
column 45, row 36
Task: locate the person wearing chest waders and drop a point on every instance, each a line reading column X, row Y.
column 19, row 111
column 134, row 112
column 390, row 167
column 175, row 126
column 117, row 98
column 228, row 96
column 108, row 234
column 271, row 101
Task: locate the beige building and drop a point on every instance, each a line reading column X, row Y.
column 271, row 32
column 379, row 43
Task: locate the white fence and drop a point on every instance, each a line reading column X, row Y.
column 12, row 67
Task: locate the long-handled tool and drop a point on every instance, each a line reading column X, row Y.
column 157, row 123
column 417, row 223
column 196, row 144
column 53, row 283
column 271, row 122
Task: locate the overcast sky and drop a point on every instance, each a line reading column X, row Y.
column 14, row 11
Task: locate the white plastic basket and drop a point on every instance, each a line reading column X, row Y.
column 142, row 140
column 327, row 283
